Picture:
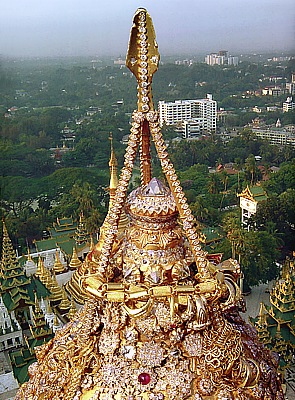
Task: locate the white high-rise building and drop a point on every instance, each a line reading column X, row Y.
column 288, row 105
column 221, row 58
column 193, row 116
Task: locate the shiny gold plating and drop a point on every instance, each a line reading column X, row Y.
column 155, row 324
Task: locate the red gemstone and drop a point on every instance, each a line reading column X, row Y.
column 144, row 378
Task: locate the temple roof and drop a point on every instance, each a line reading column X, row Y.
column 255, row 193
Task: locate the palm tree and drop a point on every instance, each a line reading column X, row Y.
column 83, row 194
column 224, row 180
column 238, row 165
column 250, row 167
column 199, row 209
column 213, row 183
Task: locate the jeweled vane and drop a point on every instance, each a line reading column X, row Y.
column 143, row 57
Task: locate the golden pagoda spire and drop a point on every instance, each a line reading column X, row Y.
column 58, row 266
column 65, row 303
column 56, row 294
column 72, row 310
column 261, row 318
column 73, row 286
column 75, row 261
column 56, row 324
column 43, row 273
column 14, row 283
column 29, row 255
column 37, row 309
column 48, row 308
column 113, row 164
column 92, row 245
column 39, row 267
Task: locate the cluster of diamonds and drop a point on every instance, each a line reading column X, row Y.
column 143, row 64
column 180, row 199
column 115, row 212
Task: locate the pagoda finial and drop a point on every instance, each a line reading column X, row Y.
column 37, row 306
column 58, row 267
column 5, row 232
column 81, row 217
column 143, row 59
column 261, row 318
column 113, row 164
column 72, row 310
column 75, row 262
column 91, row 247
column 29, row 255
column 278, row 334
column 39, row 266
column 65, row 303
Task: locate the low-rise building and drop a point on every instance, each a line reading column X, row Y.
column 278, row 137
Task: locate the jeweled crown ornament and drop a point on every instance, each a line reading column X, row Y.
column 161, row 322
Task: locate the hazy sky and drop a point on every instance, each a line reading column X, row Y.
column 98, row 27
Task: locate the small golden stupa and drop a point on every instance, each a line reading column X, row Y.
column 58, row 266
column 161, row 321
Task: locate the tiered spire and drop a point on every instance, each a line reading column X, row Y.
column 73, row 286
column 58, row 266
column 72, row 310
column 75, row 261
column 14, row 284
column 55, row 290
column 279, row 318
column 81, row 236
column 65, row 303
column 261, row 326
column 40, row 331
column 56, row 324
column 30, row 265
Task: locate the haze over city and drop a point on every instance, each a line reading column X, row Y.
column 83, row 28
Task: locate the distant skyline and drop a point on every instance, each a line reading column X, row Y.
column 101, row 28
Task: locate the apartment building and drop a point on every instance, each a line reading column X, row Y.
column 277, row 137
column 288, row 105
column 193, row 117
column 221, row 58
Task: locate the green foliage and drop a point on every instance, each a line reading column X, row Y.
column 49, row 95
column 282, row 180
column 257, row 251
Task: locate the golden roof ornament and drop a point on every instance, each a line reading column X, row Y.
column 55, row 290
column 40, row 267
column 65, row 304
column 75, row 261
column 29, row 255
column 58, row 266
column 161, row 322
column 72, row 310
